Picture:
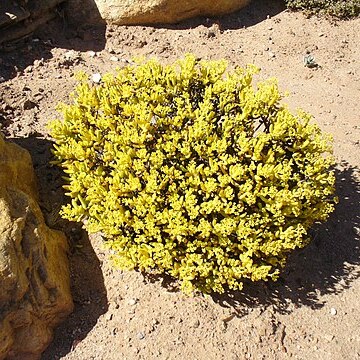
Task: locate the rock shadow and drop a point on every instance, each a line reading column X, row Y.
column 328, row 265
column 90, row 300
column 20, row 48
column 255, row 12
column 87, row 281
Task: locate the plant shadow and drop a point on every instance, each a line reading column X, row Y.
column 328, row 265
column 87, row 281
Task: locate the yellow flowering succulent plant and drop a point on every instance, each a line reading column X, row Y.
column 189, row 169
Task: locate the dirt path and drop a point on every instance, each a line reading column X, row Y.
column 313, row 311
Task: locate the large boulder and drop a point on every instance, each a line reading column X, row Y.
column 131, row 12
column 34, row 271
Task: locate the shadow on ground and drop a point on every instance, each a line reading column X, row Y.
column 255, row 12
column 90, row 300
column 86, row 31
column 87, row 281
column 61, row 31
column 328, row 265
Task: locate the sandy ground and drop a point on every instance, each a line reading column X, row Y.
column 312, row 312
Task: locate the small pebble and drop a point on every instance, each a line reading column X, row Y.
column 38, row 63
column 29, row 69
column 132, row 302
column 333, row 311
column 141, row 335
column 71, row 55
column 11, row 16
column 196, row 324
column 329, row 337
column 92, row 53
column 96, row 78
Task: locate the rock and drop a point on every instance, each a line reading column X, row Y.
column 70, row 58
column 38, row 63
column 132, row 302
column 96, row 78
column 28, row 69
column 149, row 11
column 356, row 229
column 329, row 337
column 114, row 58
column 34, row 273
column 196, row 324
column 141, row 335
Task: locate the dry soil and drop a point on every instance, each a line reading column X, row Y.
column 312, row 312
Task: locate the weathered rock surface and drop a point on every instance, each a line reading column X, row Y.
column 131, row 12
column 34, row 273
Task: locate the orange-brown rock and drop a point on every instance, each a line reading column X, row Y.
column 34, row 273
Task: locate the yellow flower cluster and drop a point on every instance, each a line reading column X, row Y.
column 191, row 170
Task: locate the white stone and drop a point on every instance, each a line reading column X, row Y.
column 96, row 78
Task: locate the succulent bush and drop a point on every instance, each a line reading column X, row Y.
column 337, row 8
column 190, row 170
